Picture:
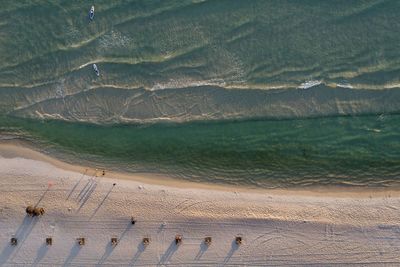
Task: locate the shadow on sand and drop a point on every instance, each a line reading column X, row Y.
column 6, row 253
column 234, row 247
column 173, row 247
column 101, row 203
column 41, row 253
column 76, row 185
column 85, row 197
column 203, row 249
column 140, row 249
column 21, row 234
column 109, row 247
column 41, row 198
column 72, row 254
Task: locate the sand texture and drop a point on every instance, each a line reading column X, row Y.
column 288, row 228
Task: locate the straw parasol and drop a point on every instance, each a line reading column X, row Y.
column 178, row 239
column 146, row 241
column 81, row 241
column 29, row 210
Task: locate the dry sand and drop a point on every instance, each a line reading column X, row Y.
column 285, row 227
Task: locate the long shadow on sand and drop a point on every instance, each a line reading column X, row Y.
column 25, row 229
column 87, row 195
column 21, row 234
column 41, row 198
column 109, row 248
column 40, row 254
column 203, row 249
column 72, row 254
column 83, row 190
column 6, row 253
column 140, row 249
column 101, row 203
column 173, row 247
column 76, row 185
column 234, row 247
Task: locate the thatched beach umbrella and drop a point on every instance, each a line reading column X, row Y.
column 207, row 240
column 29, row 210
column 133, row 221
column 81, row 241
column 178, row 239
column 38, row 211
column 238, row 240
column 49, row 241
column 14, row 241
column 146, row 241
column 114, row 241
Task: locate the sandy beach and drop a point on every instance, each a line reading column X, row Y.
column 278, row 227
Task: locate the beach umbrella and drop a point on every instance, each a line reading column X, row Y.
column 178, row 239
column 29, row 210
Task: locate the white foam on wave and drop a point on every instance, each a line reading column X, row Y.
column 309, row 84
column 115, row 39
column 344, row 85
column 181, row 83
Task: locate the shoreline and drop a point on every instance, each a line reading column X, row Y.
column 23, row 149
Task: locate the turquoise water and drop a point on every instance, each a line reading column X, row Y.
column 363, row 151
column 264, row 93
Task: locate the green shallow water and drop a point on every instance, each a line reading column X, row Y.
column 47, row 49
column 193, row 60
column 362, row 151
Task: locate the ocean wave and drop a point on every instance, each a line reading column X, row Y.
column 344, row 85
column 309, row 84
column 230, row 152
column 105, row 105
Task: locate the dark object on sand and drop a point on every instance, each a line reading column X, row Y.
column 207, row 240
column 14, row 241
column 178, row 239
column 104, row 172
column 114, row 184
column 38, row 211
column 114, row 241
column 238, row 240
column 81, row 241
column 146, row 241
column 29, row 210
column 49, row 241
column 133, row 221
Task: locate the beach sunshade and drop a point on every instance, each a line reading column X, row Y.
column 29, row 210
column 146, row 241
column 133, row 221
column 114, row 241
column 14, row 241
column 38, row 211
column 207, row 240
column 49, row 241
column 178, row 239
column 81, row 241
column 238, row 240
